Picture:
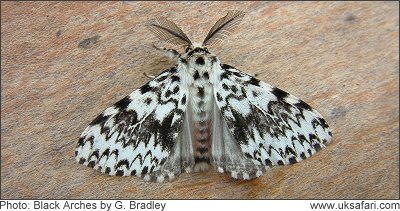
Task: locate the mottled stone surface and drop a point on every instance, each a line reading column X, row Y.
column 63, row 63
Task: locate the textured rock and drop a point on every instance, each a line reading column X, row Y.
column 63, row 63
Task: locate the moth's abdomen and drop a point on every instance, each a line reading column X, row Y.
column 202, row 110
column 202, row 145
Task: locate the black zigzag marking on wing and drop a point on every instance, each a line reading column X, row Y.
column 278, row 122
column 126, row 125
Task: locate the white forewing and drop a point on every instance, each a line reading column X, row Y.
column 139, row 134
column 268, row 125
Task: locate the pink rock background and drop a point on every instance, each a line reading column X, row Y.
column 340, row 57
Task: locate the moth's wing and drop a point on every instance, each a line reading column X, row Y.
column 268, row 125
column 142, row 134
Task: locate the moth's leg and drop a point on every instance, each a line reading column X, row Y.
column 253, row 74
column 148, row 76
column 170, row 53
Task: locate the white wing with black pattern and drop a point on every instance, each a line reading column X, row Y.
column 268, row 125
column 140, row 134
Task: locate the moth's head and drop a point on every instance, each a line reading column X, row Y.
column 168, row 31
column 198, row 56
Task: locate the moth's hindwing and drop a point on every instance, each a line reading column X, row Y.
column 137, row 135
column 268, row 125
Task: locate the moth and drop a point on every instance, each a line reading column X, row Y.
column 201, row 113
